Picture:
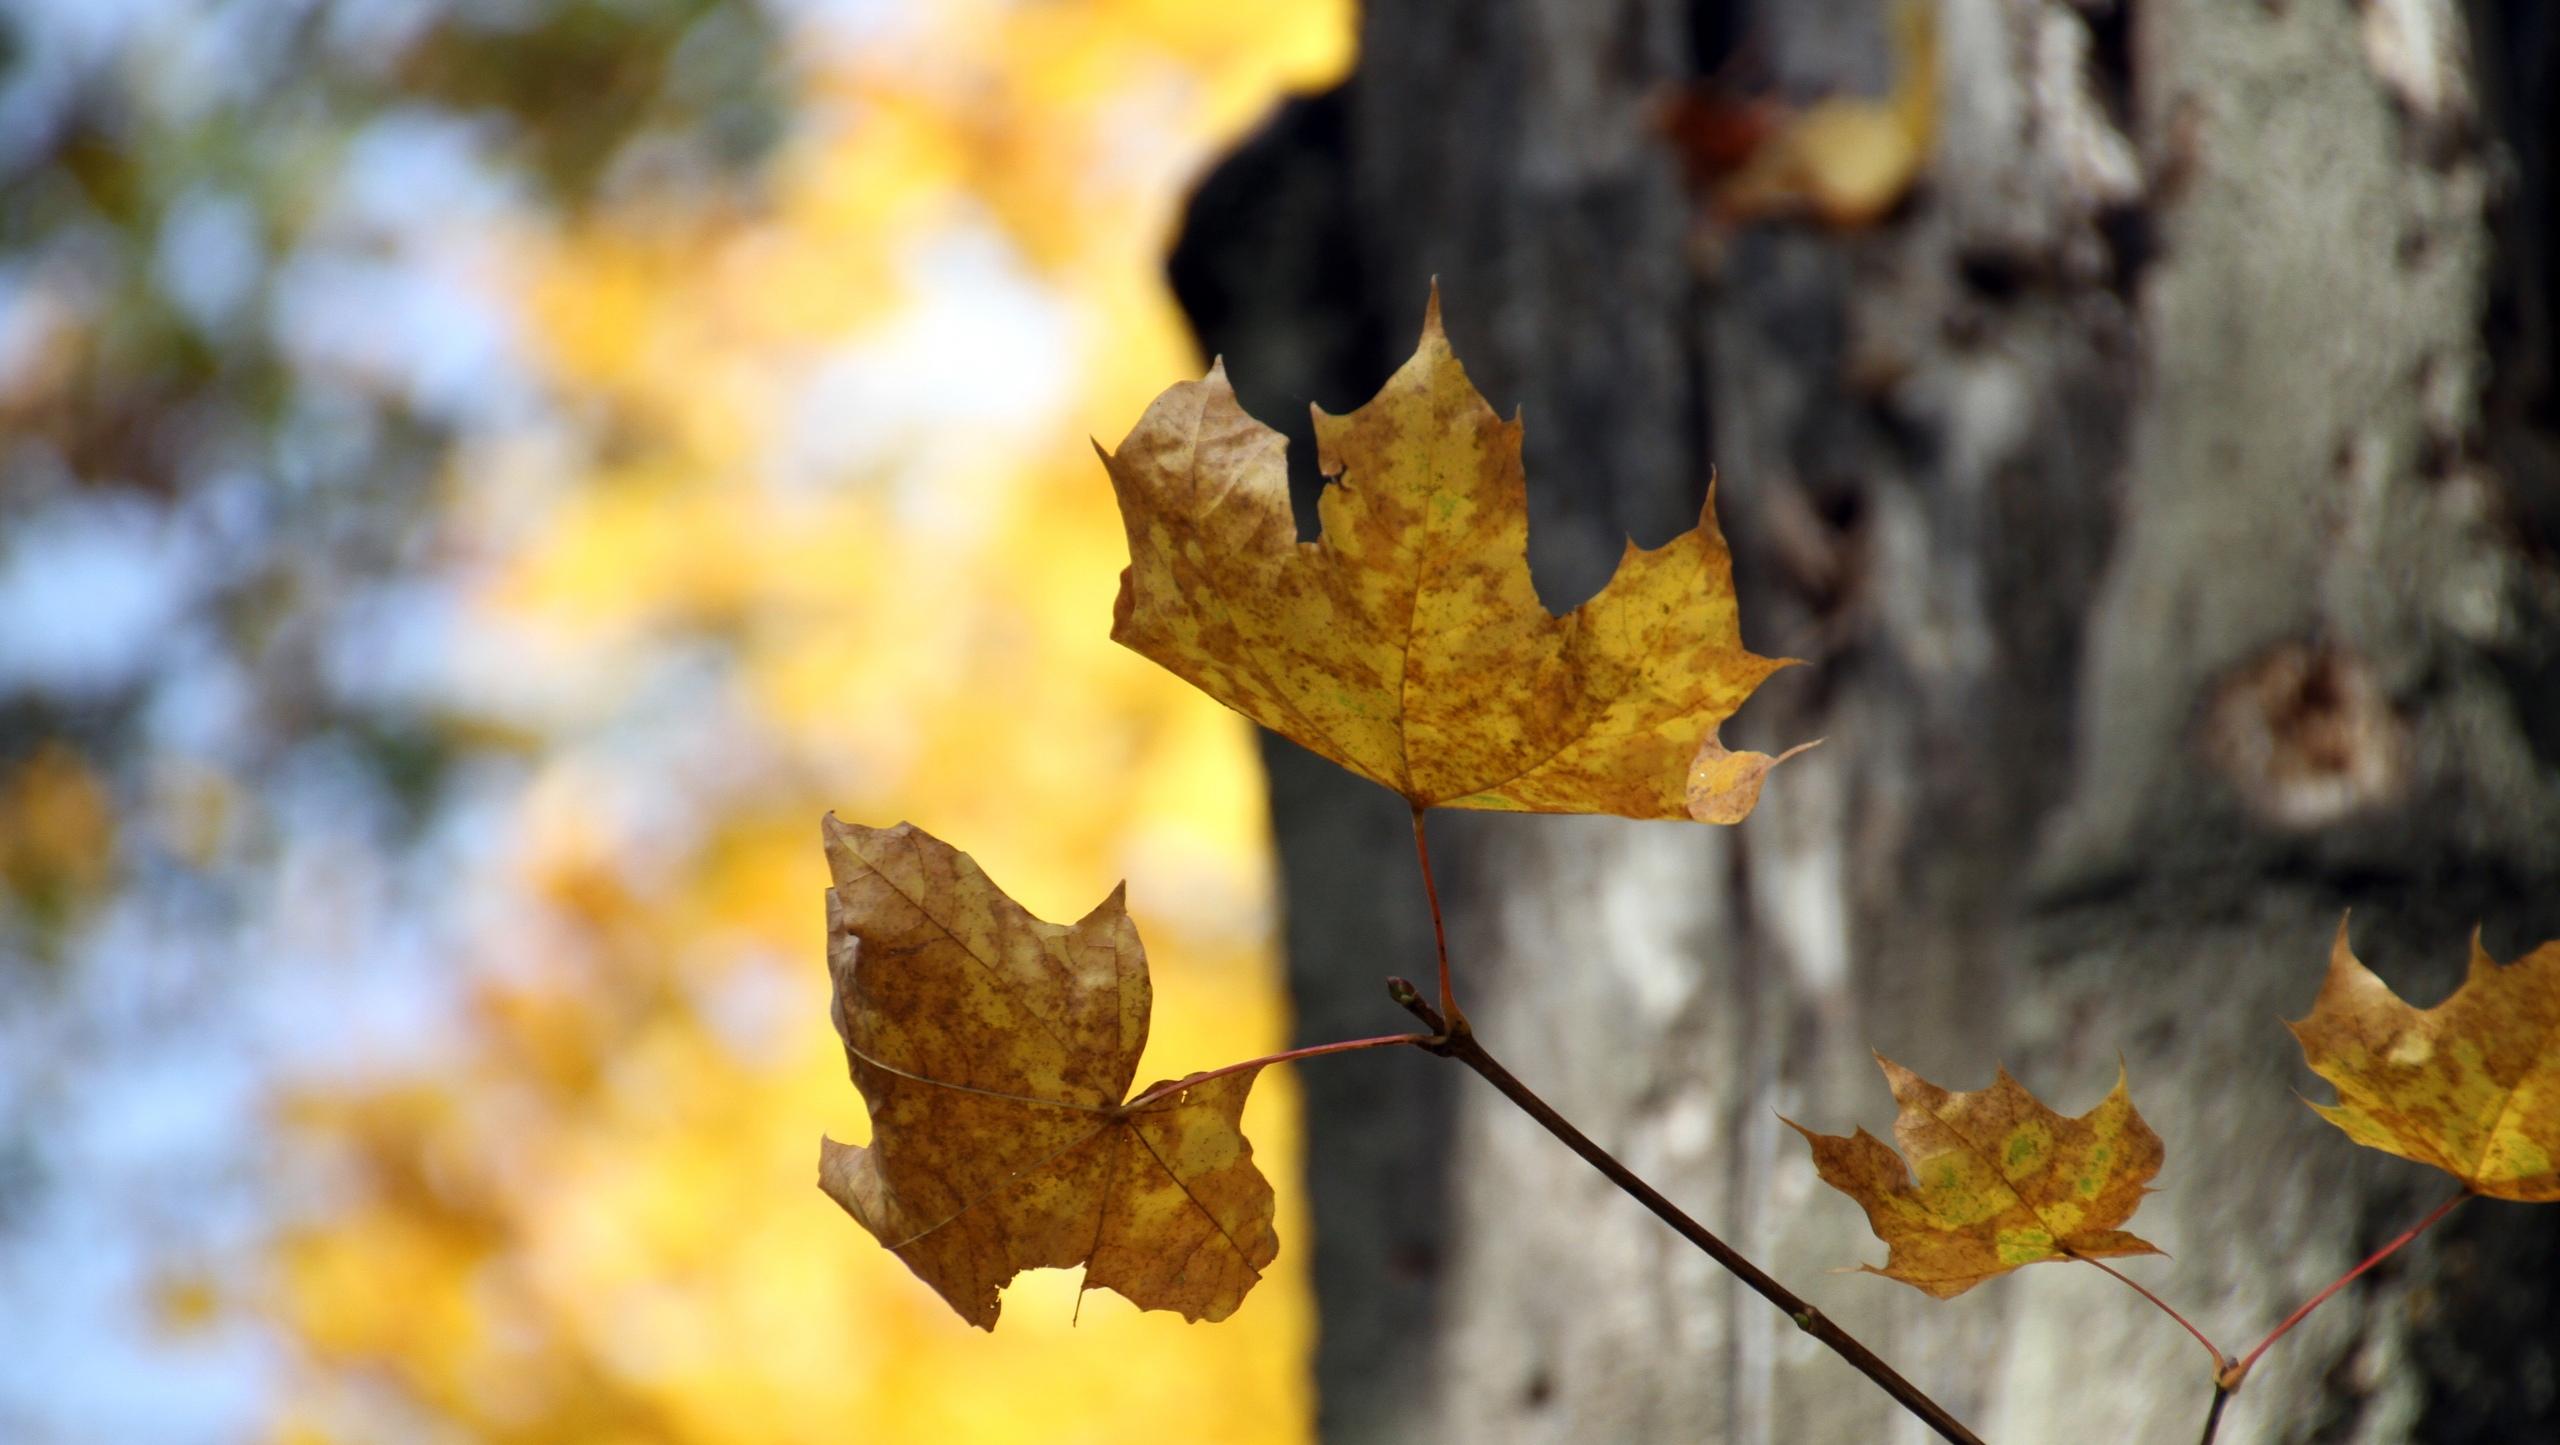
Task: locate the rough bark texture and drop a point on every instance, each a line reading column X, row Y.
column 2167, row 499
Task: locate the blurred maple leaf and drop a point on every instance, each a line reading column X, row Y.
column 1846, row 160
column 57, row 835
column 1407, row 643
column 2471, row 1086
column 995, row 1050
column 2003, row 1181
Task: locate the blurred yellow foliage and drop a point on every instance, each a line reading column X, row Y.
column 600, row 1221
column 57, row 837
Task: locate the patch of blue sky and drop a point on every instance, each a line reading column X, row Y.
column 209, row 256
column 416, row 172
column 203, row 703
column 937, row 404
column 151, row 1093
column 830, row 31
column 432, row 338
column 88, row 1357
column 390, row 645
column 350, row 963
column 92, row 586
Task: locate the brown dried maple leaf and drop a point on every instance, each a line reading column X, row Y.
column 1406, row 643
column 2471, row 1086
column 995, row 1051
column 2002, row 1181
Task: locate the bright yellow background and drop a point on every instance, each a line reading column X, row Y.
column 596, row 1218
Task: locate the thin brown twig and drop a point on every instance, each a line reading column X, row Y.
column 1455, row 1040
column 2213, row 1417
column 2221, row 1361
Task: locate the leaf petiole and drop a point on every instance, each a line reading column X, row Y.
column 2240, row 1371
column 1449, row 1010
column 1172, row 1087
column 2221, row 1361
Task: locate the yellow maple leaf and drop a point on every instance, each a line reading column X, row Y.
column 995, row 1051
column 2003, row 1181
column 1848, row 160
column 2471, row 1086
column 1406, row 643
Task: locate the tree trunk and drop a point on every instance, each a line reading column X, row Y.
column 2165, row 497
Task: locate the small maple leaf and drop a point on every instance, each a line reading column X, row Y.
column 2002, row 1182
column 1407, row 643
column 995, row 1051
column 1845, row 161
column 2471, row 1086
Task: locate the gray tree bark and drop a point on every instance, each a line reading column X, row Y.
column 2166, row 499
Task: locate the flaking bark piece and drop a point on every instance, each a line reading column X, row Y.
column 1996, row 1180
column 1406, row 643
column 995, row 1051
column 2471, row 1086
